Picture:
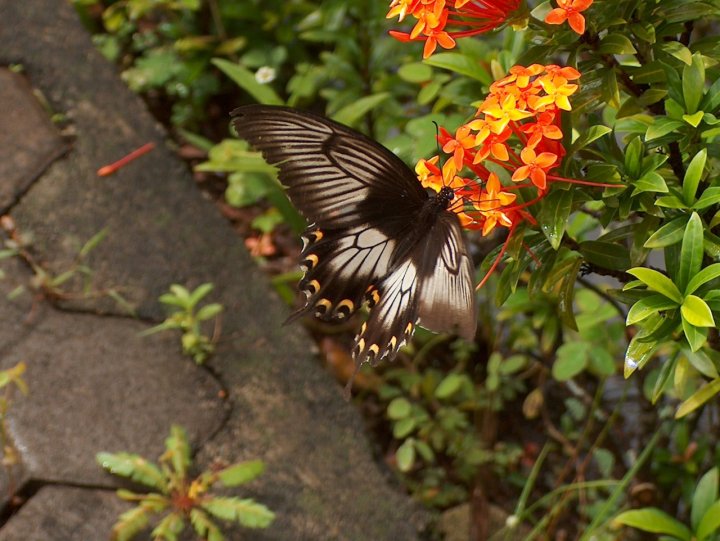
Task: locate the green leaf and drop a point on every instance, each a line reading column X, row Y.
column 351, row 114
column 693, row 83
column 449, row 385
column 711, row 196
column 693, row 175
column 694, row 119
column 129, row 524
column 415, row 72
column 459, row 63
column 666, row 372
column 263, row 93
column 205, row 527
column 399, row 408
column 405, row 455
column 710, row 521
column 554, row 214
column 706, row 275
column 607, row 255
column 696, row 336
column 669, row 234
column 591, row 134
column 661, row 127
column 572, row 358
column 657, row 282
column 651, row 519
column 702, row 363
column 696, row 312
column 197, row 295
column 648, row 306
column 691, row 252
column 702, row 395
column 169, row 528
column 571, row 266
column 706, row 493
column 650, row 182
column 240, row 473
column 246, row 512
column 178, row 450
column 616, row 44
column 208, row 311
column 633, row 157
column 133, row 467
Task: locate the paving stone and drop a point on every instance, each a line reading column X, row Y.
column 28, row 140
column 65, row 513
column 96, row 385
column 321, row 478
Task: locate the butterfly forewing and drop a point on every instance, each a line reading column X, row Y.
column 375, row 235
column 334, row 176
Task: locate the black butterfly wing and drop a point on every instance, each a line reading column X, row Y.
column 335, row 176
column 360, row 198
column 365, row 242
column 433, row 287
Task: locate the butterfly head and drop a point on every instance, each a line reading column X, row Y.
column 445, row 196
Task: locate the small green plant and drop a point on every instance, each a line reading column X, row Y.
column 184, row 317
column 178, row 497
column 433, row 416
column 75, row 282
column 704, row 515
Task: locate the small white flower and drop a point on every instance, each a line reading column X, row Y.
column 511, row 521
column 265, row 75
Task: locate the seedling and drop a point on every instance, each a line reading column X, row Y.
column 184, row 317
column 177, row 498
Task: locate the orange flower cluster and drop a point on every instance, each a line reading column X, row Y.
column 569, row 10
column 516, row 128
column 439, row 22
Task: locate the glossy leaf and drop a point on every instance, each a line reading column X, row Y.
column 709, row 197
column 616, row 44
column 693, row 174
column 693, row 83
column 696, row 312
column 706, row 493
column 667, row 235
column 650, row 182
column 405, row 455
column 554, row 214
column 695, row 336
column 605, row 254
column 653, row 520
column 461, row 64
column 702, row 395
column 702, row 363
column 706, row 275
column 709, row 523
column 657, row 281
column 644, row 308
column 666, row 372
column 691, row 251
column 661, row 127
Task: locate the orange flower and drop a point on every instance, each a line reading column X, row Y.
column 464, row 17
column 557, row 90
column 495, row 145
column 504, row 113
column 544, row 127
column 535, row 167
column 569, row 10
column 463, row 140
column 491, row 204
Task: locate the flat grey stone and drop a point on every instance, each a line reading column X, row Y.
column 321, row 479
column 28, row 140
column 95, row 385
column 65, row 513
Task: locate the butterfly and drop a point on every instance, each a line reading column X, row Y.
column 376, row 236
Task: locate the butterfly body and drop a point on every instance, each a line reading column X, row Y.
column 376, row 236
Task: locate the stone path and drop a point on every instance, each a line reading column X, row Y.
column 95, row 384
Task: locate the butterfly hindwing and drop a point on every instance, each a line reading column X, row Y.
column 340, row 265
column 447, row 294
column 432, row 287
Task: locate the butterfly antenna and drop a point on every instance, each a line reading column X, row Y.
column 437, row 136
